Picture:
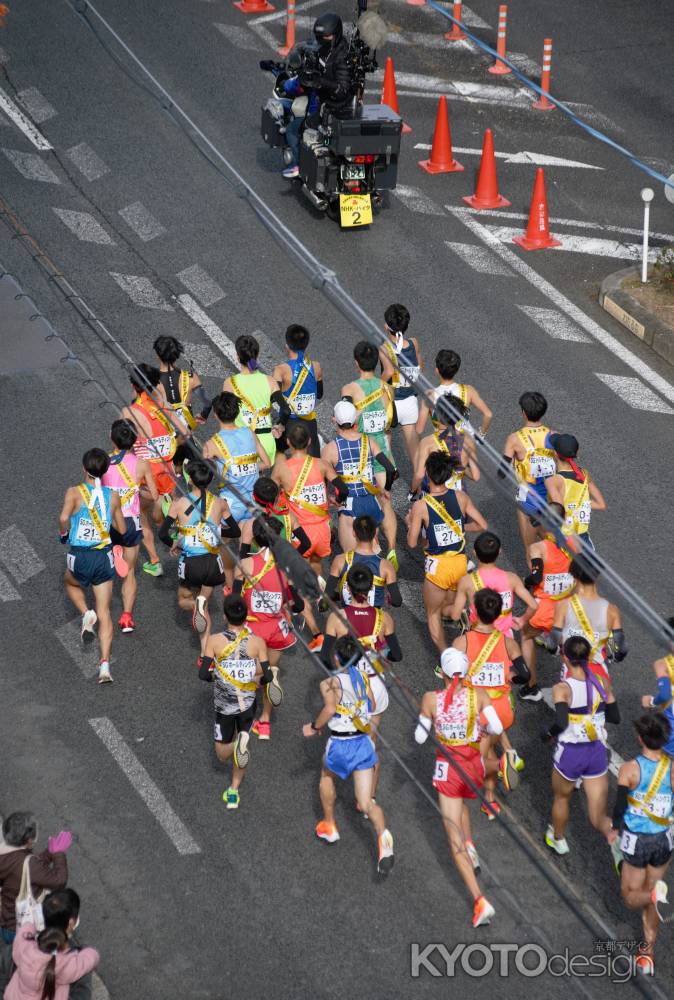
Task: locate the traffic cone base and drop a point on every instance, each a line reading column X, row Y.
column 536, row 244
column 433, row 168
column 498, row 202
column 486, row 188
column 416, row 3
column 538, row 236
column 499, row 68
column 455, row 35
column 254, row 6
column 543, row 104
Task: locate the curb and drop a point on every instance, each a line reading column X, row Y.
column 639, row 321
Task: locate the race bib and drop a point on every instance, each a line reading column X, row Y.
column 541, row 466
column 445, row 536
column 441, row 770
column 304, row 404
column 315, row 494
column 86, row 532
column 349, row 503
column 126, row 494
column 430, row 565
column 265, row 602
column 217, row 733
column 555, row 584
column 453, row 731
column 284, row 627
column 208, row 535
column 489, row 675
column 374, row 422
column 160, row 447
column 522, row 494
column 628, row 842
column 247, row 469
column 70, row 562
column 409, row 374
column 241, row 670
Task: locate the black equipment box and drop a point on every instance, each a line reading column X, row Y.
column 374, row 128
column 319, row 171
column 271, row 130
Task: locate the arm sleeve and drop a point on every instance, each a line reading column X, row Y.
column 267, row 675
column 49, row 871
column 664, row 694
column 613, row 713
column 297, row 600
column 621, row 650
column 620, row 806
column 233, row 529
column 536, row 575
column 340, row 488
column 395, row 653
column 423, row 729
column 521, row 673
column 326, row 651
column 561, row 718
column 305, row 542
column 278, row 398
column 490, row 720
column 244, row 550
column 395, row 595
column 331, row 587
column 389, row 468
column 237, row 586
column 165, row 531
column 319, row 388
column 206, row 668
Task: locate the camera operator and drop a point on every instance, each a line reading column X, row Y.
column 333, row 77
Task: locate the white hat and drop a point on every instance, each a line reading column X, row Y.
column 453, row 662
column 346, row 413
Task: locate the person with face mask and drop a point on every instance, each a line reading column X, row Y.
column 333, row 79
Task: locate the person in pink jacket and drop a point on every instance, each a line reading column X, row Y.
column 44, row 967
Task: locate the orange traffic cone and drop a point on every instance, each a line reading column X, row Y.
column 389, row 94
column 537, row 236
column 254, row 6
column 486, row 190
column 442, row 159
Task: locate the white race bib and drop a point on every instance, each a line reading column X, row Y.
column 430, row 565
column 316, row 494
column 86, row 532
column 304, row 403
column 445, row 536
column 522, row 494
column 541, row 466
column 160, row 447
column 489, row 675
column 628, row 842
column 265, row 602
column 247, row 469
column 555, row 584
column 441, row 770
column 374, row 422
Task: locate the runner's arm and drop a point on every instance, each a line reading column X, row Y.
column 227, row 518
column 664, row 686
column 283, row 375
column 536, row 554
column 521, row 591
column 628, row 778
column 262, row 454
column 395, row 653
column 387, row 571
column 461, row 598
column 471, row 466
column 476, row 400
column 417, row 519
column 145, row 472
column 297, row 600
column 424, row 724
column 597, row 501
column 554, row 486
column 329, row 690
column 69, row 504
column 561, row 699
column 475, row 521
column 389, row 468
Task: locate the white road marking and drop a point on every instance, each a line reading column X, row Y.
column 414, row 199
column 84, row 226
column 85, row 657
column 211, row 329
column 87, row 161
column 539, row 159
column 18, row 556
column 560, row 300
column 635, row 393
column 482, row 92
column 578, row 223
column 170, row 823
column 205, row 361
column 480, row 259
column 264, row 34
column 582, row 244
column 555, row 324
column 143, row 223
column 37, row 106
column 524, row 63
column 16, row 114
column 31, row 166
column 7, row 591
column 412, row 599
column 504, row 101
column 239, row 36
column 141, row 291
column 201, row 285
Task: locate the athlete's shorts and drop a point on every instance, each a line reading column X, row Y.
column 132, row 537
column 201, row 571
column 276, row 632
column 446, row 569
column 449, row 781
column 535, row 501
column 164, row 481
column 319, row 536
column 238, row 510
column 90, row 567
column 227, row 726
column 642, row 850
column 346, row 754
column 581, row 760
column 407, row 410
column 544, row 616
column 355, row 506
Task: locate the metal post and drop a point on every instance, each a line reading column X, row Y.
column 647, row 195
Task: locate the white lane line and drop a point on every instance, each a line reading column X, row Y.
column 170, row 823
column 211, row 329
column 7, row 591
column 492, row 93
column 85, row 657
column 538, row 159
column 264, row 34
column 555, row 324
column 504, row 101
column 414, row 199
column 578, row 223
column 18, row 556
column 16, row 114
column 31, row 166
column 480, row 259
column 238, row 36
column 205, row 361
column 87, row 161
column 143, row 223
column 37, row 106
column 595, row 246
column 638, row 366
column 280, row 14
column 141, row 291
column 201, row 285
column 84, row 226
column 615, row 761
column 635, row 393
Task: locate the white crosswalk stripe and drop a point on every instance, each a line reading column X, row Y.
column 84, row 226
column 239, row 36
column 143, row 223
column 31, row 166
column 141, row 291
column 86, row 658
column 206, row 362
column 18, row 556
column 37, row 106
column 480, row 259
column 89, row 163
column 635, row 393
column 7, row 591
column 555, row 324
column 201, row 285
column 581, row 244
column 414, row 199
column 211, row 329
column 22, row 122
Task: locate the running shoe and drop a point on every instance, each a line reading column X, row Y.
column 275, row 695
column 199, row 620
column 261, row 729
column 290, row 172
column 316, row 644
column 327, row 832
column 121, row 565
column 483, row 911
column 231, row 798
column 473, row 855
column 644, row 963
column 323, row 605
column 89, row 619
column 393, row 559
column 516, row 761
column 558, row 846
column 241, row 750
column 530, row 693
column 126, row 622
column 618, row 856
column 104, row 675
column 507, row 772
column 386, row 859
column 153, row 568
column 661, row 903
column 491, row 810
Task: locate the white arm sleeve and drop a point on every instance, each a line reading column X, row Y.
column 423, row 728
column 489, row 718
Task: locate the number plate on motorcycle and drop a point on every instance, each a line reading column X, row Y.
column 355, row 210
column 353, row 172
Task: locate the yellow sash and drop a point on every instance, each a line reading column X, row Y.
column 443, row 513
column 485, row 652
column 182, row 407
column 352, row 712
column 478, row 582
column 254, row 580
column 664, row 763
column 470, row 724
column 103, row 532
column 390, row 350
column 256, row 414
column 295, row 493
column 578, row 494
column 528, row 438
column 584, row 720
column 295, row 391
column 362, row 465
column 131, row 483
column 377, row 581
column 584, row 622
column 224, row 655
column 372, row 398
column 370, row 641
column 197, row 530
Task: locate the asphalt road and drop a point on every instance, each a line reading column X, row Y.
column 261, row 906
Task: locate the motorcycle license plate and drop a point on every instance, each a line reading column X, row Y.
column 353, row 172
column 355, row 210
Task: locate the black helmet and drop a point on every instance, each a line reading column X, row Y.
column 329, row 24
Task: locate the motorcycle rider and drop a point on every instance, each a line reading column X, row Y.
column 334, row 78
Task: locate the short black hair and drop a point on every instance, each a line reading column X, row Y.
column 488, row 605
column 123, row 434
column 168, row 349
column 261, row 528
column 487, row 547
column 366, row 355
column 534, row 405
column 397, row 318
column 439, row 467
column 96, row 462
column 298, row 434
column 226, row 406
column 364, row 528
column 247, row 348
column 449, row 409
column 235, row 609
column 297, row 337
column 199, row 472
column 142, row 374
column 345, row 649
column 577, row 650
column 266, row 490
column 447, row 362
column 653, row 729
column 60, row 907
column 583, row 572
column 359, row 579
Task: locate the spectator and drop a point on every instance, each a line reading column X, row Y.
column 45, row 966
column 48, row 870
column 61, row 909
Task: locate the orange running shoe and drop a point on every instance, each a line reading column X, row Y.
column 126, row 622
column 644, row 963
column 490, row 809
column 316, row 644
column 121, row 565
column 483, row 911
column 327, row 832
column 261, row 729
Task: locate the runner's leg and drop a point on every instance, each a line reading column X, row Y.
column 328, row 794
column 363, row 783
column 75, row 592
column 130, row 584
column 103, row 598
column 452, row 817
column 434, row 597
column 562, row 791
column 596, row 793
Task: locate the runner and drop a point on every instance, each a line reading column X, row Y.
column 587, row 614
column 533, row 459
column 373, row 399
column 125, row 475
column 460, row 715
column 400, row 366
column 198, row 519
column 256, row 391
column 350, row 699
column 236, row 660
column 266, row 590
column 89, row 511
column 551, row 582
column 447, row 364
column 583, row 704
column 663, row 700
column 352, row 458
column 444, row 516
column 184, row 391
column 496, row 662
column 301, row 381
column 573, row 488
column 642, row 827
column 450, row 438
column 385, row 580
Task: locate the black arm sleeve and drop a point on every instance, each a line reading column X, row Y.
column 387, row 466
column 536, row 575
column 341, row 489
column 620, row 806
column 395, row 653
column 297, row 601
column 278, row 398
column 504, row 466
column 326, row 651
column 561, row 718
column 394, row 594
column 613, row 713
column 304, row 540
column 521, row 673
column 206, row 669
column 620, row 645
column 319, row 388
column 267, row 675
column 233, row 529
column 237, row 587
column 244, row 550
column 331, row 587
column 165, row 531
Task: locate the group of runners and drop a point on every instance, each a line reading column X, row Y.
column 219, row 503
